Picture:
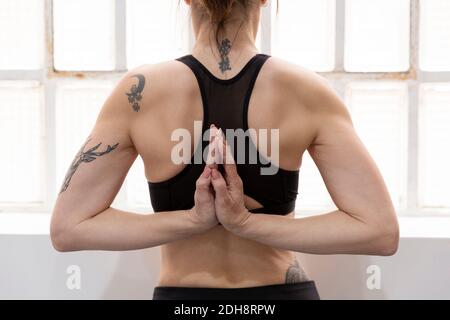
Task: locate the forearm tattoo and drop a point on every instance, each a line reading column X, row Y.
column 84, row 156
column 295, row 273
column 135, row 94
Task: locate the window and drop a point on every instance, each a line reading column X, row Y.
column 435, row 35
column 377, row 35
column 21, row 34
column 21, row 136
column 83, row 34
column 396, row 88
column 389, row 60
column 156, row 30
column 304, row 31
column 433, row 142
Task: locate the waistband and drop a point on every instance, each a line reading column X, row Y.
column 293, row 291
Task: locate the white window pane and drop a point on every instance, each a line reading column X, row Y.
column 434, row 159
column 312, row 193
column 379, row 112
column 77, row 108
column 304, row 33
column 377, row 35
column 156, row 31
column 137, row 187
column 84, row 34
column 435, row 35
column 21, row 135
column 21, row 34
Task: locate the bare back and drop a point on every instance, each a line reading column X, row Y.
column 230, row 261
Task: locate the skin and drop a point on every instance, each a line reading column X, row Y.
column 246, row 249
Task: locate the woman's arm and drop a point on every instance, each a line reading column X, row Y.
column 365, row 222
column 82, row 217
column 117, row 230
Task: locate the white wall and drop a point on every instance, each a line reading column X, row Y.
column 31, row 269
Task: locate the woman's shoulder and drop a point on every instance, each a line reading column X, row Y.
column 310, row 88
column 162, row 78
column 293, row 74
column 166, row 70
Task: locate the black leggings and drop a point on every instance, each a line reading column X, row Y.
column 295, row 291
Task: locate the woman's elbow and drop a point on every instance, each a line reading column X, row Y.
column 388, row 239
column 59, row 240
column 60, row 237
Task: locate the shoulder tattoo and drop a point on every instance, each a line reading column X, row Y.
column 135, row 93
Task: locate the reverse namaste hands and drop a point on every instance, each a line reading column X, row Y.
column 219, row 198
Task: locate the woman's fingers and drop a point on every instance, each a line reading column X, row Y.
column 206, row 173
column 204, row 181
column 231, row 174
column 220, row 153
column 220, row 187
column 211, row 158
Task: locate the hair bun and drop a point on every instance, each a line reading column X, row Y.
column 219, row 10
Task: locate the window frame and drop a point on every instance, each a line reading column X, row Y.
column 49, row 77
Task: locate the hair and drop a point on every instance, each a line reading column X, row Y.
column 219, row 11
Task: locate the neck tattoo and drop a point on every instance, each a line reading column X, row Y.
column 224, row 50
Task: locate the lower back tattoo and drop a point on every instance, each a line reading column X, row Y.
column 84, row 156
column 295, row 273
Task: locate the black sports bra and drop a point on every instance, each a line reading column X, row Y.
column 225, row 104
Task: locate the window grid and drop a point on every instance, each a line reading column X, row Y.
column 414, row 77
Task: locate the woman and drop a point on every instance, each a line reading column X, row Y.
column 227, row 233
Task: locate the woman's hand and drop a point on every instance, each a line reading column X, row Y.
column 229, row 192
column 203, row 213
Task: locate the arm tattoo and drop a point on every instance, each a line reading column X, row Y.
column 224, row 49
column 84, row 156
column 135, row 94
column 295, row 273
